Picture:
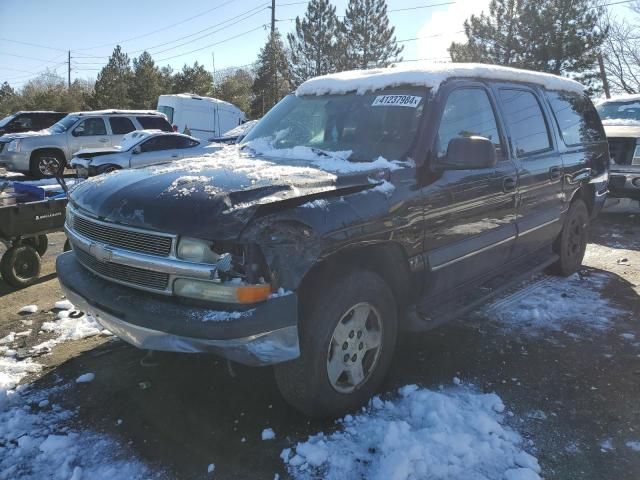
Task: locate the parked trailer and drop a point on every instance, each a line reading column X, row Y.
column 23, row 230
column 201, row 117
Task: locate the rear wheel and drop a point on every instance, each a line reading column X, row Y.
column 20, row 266
column 347, row 343
column 108, row 169
column 572, row 241
column 46, row 164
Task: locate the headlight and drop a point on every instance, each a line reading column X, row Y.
column 14, row 146
column 224, row 293
column 195, row 250
column 68, row 219
column 636, row 156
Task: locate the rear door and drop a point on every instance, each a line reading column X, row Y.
column 540, row 196
column 120, row 126
column 470, row 214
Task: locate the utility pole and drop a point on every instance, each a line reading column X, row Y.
column 273, row 16
column 603, row 76
column 69, row 71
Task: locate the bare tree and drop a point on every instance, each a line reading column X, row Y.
column 621, row 51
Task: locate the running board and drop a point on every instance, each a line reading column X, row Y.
column 429, row 313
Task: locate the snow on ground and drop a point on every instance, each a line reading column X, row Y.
column 454, row 433
column 554, row 304
column 36, row 439
column 268, row 434
column 28, row 309
column 70, row 325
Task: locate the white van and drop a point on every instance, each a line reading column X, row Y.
column 201, row 117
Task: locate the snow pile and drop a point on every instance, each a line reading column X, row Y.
column 451, row 434
column 86, row 378
column 12, row 371
column 70, row 325
column 37, row 443
column 224, row 316
column 28, row 309
column 429, row 75
column 552, row 304
column 268, row 434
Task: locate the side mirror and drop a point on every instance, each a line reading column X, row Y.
column 79, row 130
column 469, row 153
column 136, row 150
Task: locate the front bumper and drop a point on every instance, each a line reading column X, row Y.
column 14, row 161
column 264, row 335
column 625, row 183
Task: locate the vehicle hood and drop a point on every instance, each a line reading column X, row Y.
column 622, row 131
column 12, row 136
column 87, row 152
column 216, row 196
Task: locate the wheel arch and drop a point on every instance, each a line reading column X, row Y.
column 388, row 259
column 39, row 150
column 586, row 193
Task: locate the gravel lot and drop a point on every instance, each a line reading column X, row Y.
column 563, row 355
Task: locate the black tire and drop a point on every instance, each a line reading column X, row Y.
column 20, row 266
column 67, row 246
column 40, row 160
column 108, row 169
column 304, row 382
column 571, row 244
column 40, row 243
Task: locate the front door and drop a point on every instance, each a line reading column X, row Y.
column 540, row 169
column 89, row 133
column 470, row 214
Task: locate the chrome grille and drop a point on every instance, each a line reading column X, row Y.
column 128, row 239
column 124, row 273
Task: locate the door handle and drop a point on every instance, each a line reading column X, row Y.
column 509, row 184
column 175, row 155
column 103, row 140
column 555, row 173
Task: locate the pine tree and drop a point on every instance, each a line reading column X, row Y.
column 369, row 40
column 8, row 99
column 314, row 47
column 493, row 38
column 194, row 79
column 147, row 82
column 114, row 82
column 273, row 78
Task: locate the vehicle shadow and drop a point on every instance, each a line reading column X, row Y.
column 193, row 410
column 620, row 230
column 5, row 288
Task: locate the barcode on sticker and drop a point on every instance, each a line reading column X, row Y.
column 396, row 101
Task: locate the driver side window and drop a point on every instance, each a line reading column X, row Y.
column 467, row 113
column 90, row 127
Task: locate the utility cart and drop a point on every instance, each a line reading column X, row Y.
column 27, row 214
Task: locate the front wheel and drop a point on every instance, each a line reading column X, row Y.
column 572, row 241
column 347, row 343
column 46, row 164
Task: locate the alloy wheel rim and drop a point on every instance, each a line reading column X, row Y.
column 43, row 165
column 24, row 268
column 355, row 348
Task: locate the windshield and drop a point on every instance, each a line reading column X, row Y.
column 6, row 120
column 168, row 111
column 357, row 127
column 620, row 110
column 64, row 124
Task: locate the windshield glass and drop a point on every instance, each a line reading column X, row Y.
column 357, row 127
column 620, row 110
column 6, row 120
column 168, row 111
column 64, row 124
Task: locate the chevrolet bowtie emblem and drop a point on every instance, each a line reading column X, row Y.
column 101, row 252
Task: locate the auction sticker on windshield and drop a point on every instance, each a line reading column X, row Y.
column 396, row 101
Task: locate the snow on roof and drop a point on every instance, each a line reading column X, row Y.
column 621, row 98
column 620, row 122
column 116, row 111
column 429, row 75
column 198, row 97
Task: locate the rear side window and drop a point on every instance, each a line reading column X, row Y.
column 525, row 121
column 162, row 142
column 577, row 118
column 121, row 125
column 468, row 112
column 155, row 123
column 184, row 142
column 168, row 111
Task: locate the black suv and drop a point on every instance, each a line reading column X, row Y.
column 29, row 121
column 364, row 204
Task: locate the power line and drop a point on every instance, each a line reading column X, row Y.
column 159, row 29
column 33, row 44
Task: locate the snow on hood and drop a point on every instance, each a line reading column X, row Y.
column 429, row 75
column 452, row 434
column 621, row 122
column 14, row 136
column 620, row 98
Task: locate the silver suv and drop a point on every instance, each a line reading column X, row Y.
column 33, row 152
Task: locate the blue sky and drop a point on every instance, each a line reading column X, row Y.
column 92, row 28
